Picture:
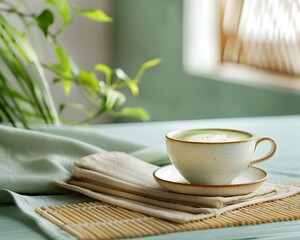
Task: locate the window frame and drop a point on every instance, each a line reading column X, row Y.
column 201, row 56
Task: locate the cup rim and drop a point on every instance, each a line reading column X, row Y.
column 170, row 137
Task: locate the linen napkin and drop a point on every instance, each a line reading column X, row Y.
column 123, row 180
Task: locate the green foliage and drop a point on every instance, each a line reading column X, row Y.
column 63, row 9
column 44, row 20
column 63, row 69
column 25, row 93
column 95, row 14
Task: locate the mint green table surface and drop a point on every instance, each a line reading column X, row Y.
column 284, row 167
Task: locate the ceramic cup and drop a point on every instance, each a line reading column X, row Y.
column 214, row 156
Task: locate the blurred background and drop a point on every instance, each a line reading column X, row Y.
column 220, row 58
column 151, row 28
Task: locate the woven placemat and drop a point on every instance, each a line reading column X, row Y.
column 98, row 220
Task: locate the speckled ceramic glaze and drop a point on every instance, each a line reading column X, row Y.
column 213, row 156
column 247, row 182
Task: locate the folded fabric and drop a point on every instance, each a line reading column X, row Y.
column 126, row 181
column 30, row 160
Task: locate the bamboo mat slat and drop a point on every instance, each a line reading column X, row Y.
column 98, row 220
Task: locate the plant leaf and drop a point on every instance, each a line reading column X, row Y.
column 95, row 14
column 30, row 114
column 151, row 63
column 37, row 72
column 15, row 108
column 106, row 70
column 144, row 67
column 5, row 112
column 136, row 112
column 44, row 20
column 121, row 74
column 63, row 68
column 63, row 9
column 62, row 57
column 130, row 83
column 16, row 68
column 19, row 41
column 17, row 95
column 89, row 79
column 133, row 87
column 112, row 98
column 78, row 106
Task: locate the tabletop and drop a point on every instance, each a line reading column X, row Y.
column 283, row 167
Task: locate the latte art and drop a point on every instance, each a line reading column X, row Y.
column 212, row 138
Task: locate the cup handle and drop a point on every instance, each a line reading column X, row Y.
column 269, row 154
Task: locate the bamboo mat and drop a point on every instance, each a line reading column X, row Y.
column 98, row 220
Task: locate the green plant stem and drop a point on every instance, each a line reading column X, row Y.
column 120, row 85
column 54, row 36
column 97, row 114
column 82, row 90
column 22, row 15
column 91, row 97
column 15, row 11
column 47, row 98
column 139, row 75
column 46, row 66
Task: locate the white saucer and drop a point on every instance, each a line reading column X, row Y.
column 169, row 178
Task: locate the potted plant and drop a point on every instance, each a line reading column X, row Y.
column 25, row 91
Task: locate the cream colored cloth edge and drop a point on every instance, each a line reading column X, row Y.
column 176, row 205
column 170, row 214
column 120, row 171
